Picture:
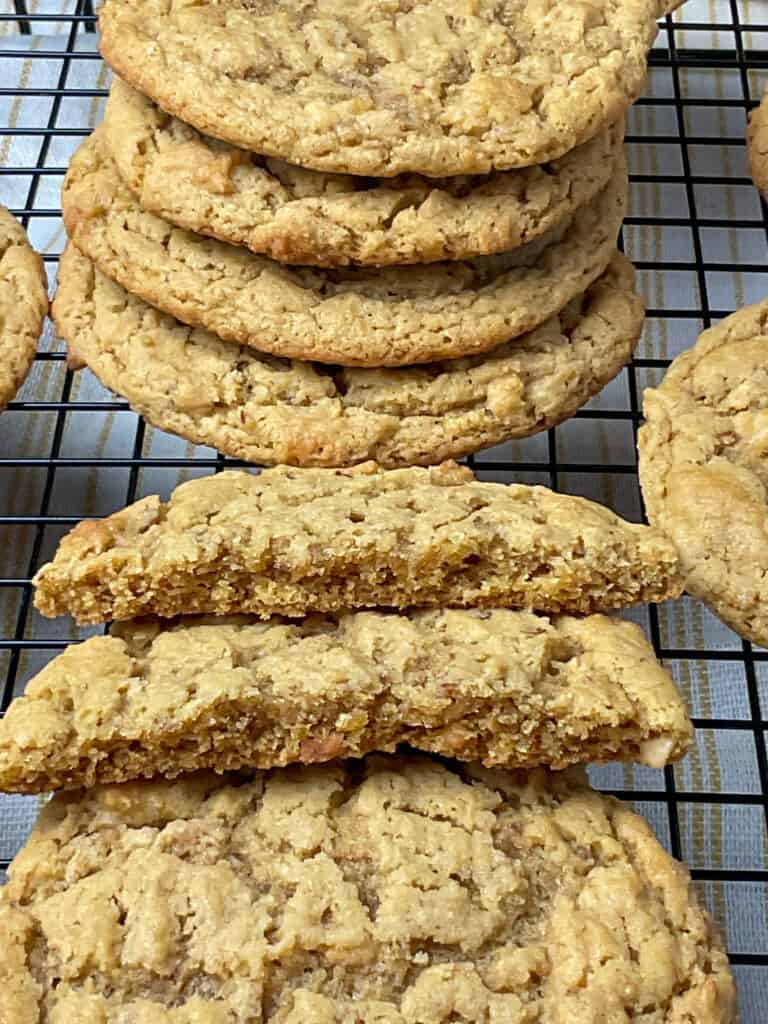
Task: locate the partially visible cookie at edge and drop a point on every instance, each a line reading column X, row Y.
column 409, row 86
column 269, row 410
column 306, row 217
column 23, row 305
column 351, row 316
column 396, row 890
column 704, row 467
column 757, row 144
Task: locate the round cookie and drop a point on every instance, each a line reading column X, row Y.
column 408, row 86
column 388, row 890
column 23, row 305
column 354, row 316
column 757, row 144
column 268, row 410
column 704, row 467
column 306, row 217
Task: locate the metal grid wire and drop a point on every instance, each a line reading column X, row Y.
column 686, row 198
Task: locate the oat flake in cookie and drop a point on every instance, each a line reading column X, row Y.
column 435, row 87
column 392, row 890
column 307, row 217
column 268, row 410
column 353, row 316
column 23, row 305
column 704, row 467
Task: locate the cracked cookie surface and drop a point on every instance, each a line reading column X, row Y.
column 23, row 305
column 704, row 467
column 351, row 316
column 394, row 890
column 294, row 541
column 427, row 86
column 506, row 688
column 269, row 410
column 306, row 217
column 757, row 144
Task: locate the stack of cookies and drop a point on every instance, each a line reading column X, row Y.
column 317, row 233
column 275, row 882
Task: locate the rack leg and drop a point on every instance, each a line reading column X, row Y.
column 20, row 6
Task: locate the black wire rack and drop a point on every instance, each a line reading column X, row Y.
column 698, row 234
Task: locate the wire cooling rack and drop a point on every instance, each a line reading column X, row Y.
column 698, row 235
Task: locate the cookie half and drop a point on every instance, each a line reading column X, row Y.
column 355, row 316
column 757, row 144
column 294, row 541
column 268, row 410
column 395, row 890
column 23, row 305
column 704, row 467
column 306, row 217
column 505, row 688
column 383, row 89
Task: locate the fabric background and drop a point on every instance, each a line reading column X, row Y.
column 715, row 837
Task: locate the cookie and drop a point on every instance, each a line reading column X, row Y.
column 354, row 316
column 757, row 144
column 704, row 467
column 307, row 217
column 294, row 541
column 382, row 89
column 392, row 890
column 23, row 305
column 269, row 410
column 502, row 687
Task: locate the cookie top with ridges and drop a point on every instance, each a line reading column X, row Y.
column 396, row 890
column 269, row 410
column 433, row 87
column 308, row 217
column 23, row 305
column 352, row 316
column 704, row 467
column 220, row 693
column 292, row 541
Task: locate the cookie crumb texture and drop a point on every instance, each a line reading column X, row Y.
column 354, row 316
column 502, row 687
column 306, row 217
column 269, row 410
column 292, row 541
column 704, row 467
column 23, row 305
column 391, row 890
column 436, row 87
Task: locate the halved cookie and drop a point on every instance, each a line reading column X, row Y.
column 506, row 688
column 294, row 541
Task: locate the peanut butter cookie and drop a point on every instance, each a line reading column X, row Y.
column 704, row 467
column 294, row 541
column 434, row 87
column 389, row 890
column 298, row 216
column 355, row 316
column 269, row 410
